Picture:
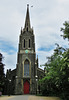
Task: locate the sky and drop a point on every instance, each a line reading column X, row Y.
column 47, row 18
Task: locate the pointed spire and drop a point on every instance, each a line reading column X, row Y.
column 27, row 20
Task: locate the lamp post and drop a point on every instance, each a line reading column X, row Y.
column 36, row 77
column 9, row 88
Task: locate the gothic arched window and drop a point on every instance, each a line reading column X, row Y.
column 26, row 68
column 24, row 43
column 29, row 43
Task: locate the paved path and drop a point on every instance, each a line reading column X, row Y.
column 20, row 97
column 28, row 97
column 42, row 98
column 6, row 97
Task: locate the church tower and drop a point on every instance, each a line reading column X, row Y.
column 26, row 61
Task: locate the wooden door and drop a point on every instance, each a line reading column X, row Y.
column 26, row 87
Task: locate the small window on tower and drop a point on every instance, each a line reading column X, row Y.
column 27, row 29
column 29, row 43
column 24, row 43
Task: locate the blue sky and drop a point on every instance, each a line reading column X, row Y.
column 47, row 17
column 45, row 49
column 6, row 46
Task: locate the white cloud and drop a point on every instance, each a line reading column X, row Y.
column 42, row 56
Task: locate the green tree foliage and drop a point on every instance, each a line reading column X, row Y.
column 56, row 80
column 65, row 30
column 2, row 75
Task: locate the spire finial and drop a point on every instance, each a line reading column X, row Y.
column 27, row 21
column 27, row 5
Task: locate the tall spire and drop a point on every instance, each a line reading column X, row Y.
column 27, row 20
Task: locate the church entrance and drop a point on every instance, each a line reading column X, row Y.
column 26, row 87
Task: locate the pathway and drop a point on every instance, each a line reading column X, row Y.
column 28, row 97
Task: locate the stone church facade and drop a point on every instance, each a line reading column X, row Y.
column 27, row 71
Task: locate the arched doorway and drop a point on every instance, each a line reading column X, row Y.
column 26, row 87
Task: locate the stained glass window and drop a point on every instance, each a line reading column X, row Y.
column 26, row 68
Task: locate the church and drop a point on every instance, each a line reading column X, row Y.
column 24, row 79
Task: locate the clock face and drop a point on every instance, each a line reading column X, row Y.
column 26, row 51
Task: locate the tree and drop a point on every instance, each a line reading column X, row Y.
column 65, row 30
column 2, row 75
column 56, row 81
